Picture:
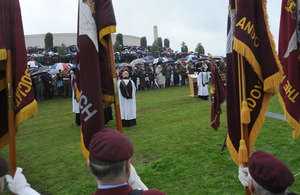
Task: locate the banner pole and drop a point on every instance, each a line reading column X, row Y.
column 11, row 117
column 114, row 76
column 244, row 142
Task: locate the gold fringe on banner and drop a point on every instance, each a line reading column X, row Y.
column 292, row 122
column 246, row 52
column 105, row 31
column 271, row 82
column 3, row 54
column 27, row 112
column 108, row 98
column 254, row 131
column 84, row 151
column 260, row 120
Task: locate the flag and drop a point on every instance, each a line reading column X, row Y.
column 288, row 53
column 12, row 38
column 249, row 42
column 96, row 20
column 217, row 96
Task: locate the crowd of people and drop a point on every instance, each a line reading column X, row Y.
column 162, row 75
column 51, row 56
column 46, row 85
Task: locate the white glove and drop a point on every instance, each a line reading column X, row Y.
column 134, row 180
column 244, row 175
column 18, row 185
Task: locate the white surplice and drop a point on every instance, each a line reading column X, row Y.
column 127, row 106
column 202, row 81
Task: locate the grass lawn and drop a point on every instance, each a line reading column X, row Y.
column 176, row 151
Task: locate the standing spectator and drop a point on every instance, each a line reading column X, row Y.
column 204, row 67
column 75, row 103
column 59, row 83
column 47, row 82
column 142, row 75
column 167, row 71
column 66, row 82
column 182, row 73
column 39, row 88
column 151, row 76
column 117, row 72
column 121, row 72
column 175, row 75
column 191, row 68
column 134, row 75
column 159, row 76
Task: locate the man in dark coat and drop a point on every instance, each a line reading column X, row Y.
column 182, row 73
column 151, row 72
column 167, row 73
column 48, row 87
column 142, row 75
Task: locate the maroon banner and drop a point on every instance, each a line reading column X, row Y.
column 217, row 97
column 12, row 38
column 288, row 52
column 95, row 20
column 250, row 40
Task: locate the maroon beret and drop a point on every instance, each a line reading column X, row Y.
column 269, row 172
column 3, row 167
column 109, row 146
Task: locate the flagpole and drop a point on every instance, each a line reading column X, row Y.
column 11, row 117
column 114, row 76
column 244, row 142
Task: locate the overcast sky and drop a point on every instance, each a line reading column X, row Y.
column 191, row 21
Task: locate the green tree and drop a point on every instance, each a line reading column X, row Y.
column 159, row 42
column 120, row 39
column 48, row 40
column 117, row 47
column 62, row 50
column 143, row 42
column 166, row 43
column 154, row 48
column 184, row 47
column 200, row 48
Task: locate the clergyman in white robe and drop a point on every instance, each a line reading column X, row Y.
column 127, row 102
column 202, row 82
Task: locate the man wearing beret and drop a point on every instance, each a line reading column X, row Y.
column 266, row 174
column 109, row 162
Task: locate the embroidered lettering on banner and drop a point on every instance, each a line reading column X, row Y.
column 249, row 28
column 85, row 106
column 23, row 87
column 255, row 95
